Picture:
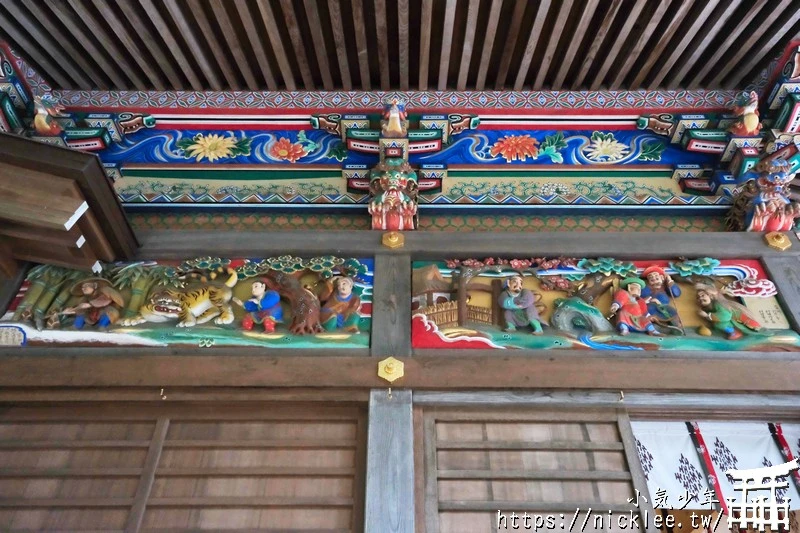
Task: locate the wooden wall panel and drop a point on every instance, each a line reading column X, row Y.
column 209, row 467
column 477, row 461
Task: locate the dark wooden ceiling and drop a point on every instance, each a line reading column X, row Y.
column 399, row 44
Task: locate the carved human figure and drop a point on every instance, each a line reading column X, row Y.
column 340, row 306
column 746, row 109
column 730, row 318
column 771, row 209
column 263, row 308
column 394, row 117
column 99, row 303
column 519, row 306
column 631, row 309
column 658, row 292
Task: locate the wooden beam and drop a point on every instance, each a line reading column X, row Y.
column 469, row 38
column 196, row 7
column 151, row 42
column 146, row 480
column 53, row 47
column 153, row 367
column 391, row 311
column 654, row 56
column 256, row 44
column 623, row 67
column 403, row 41
column 164, row 31
column 425, row 43
column 335, row 9
column 698, row 49
column 173, row 244
column 631, row 16
column 700, row 22
column 545, row 446
column 121, row 32
column 538, row 475
column 758, row 55
column 597, row 42
column 32, row 50
column 587, row 14
column 447, row 42
column 268, row 17
column 320, row 48
column 382, row 31
column 731, row 36
column 188, row 32
column 298, row 47
column 529, row 506
column 784, row 273
column 488, row 43
column 637, row 474
column 533, row 41
column 389, row 505
column 234, row 46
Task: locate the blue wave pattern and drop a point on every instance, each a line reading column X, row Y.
column 160, row 146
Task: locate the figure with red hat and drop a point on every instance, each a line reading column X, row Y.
column 631, row 308
column 659, row 293
column 263, row 308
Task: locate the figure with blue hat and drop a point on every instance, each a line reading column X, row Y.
column 519, row 306
column 631, row 309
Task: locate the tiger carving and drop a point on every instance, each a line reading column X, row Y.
column 189, row 306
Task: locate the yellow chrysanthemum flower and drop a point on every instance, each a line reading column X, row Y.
column 211, row 147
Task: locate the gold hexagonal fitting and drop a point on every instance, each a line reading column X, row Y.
column 778, row 241
column 393, row 239
column 390, row 369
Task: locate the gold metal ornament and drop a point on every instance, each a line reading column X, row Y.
column 778, row 241
column 390, row 369
column 393, row 239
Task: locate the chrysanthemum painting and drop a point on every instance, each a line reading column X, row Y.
column 605, row 148
column 516, row 147
column 213, row 147
column 285, row 149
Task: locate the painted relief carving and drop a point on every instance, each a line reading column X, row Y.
column 281, row 301
column 598, row 304
column 764, row 203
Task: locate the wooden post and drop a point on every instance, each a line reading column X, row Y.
column 391, row 306
column 783, row 272
column 645, row 502
column 389, row 504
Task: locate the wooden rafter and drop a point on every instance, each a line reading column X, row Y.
column 619, row 40
column 298, row 47
column 700, row 48
column 235, row 47
column 216, row 49
column 136, row 20
column 469, row 37
column 24, row 17
column 511, row 39
column 268, row 17
column 564, row 8
column 680, row 43
column 402, row 41
column 382, row 32
column 362, row 48
column 488, row 43
column 583, row 26
column 684, row 8
column 165, row 32
column 597, row 42
column 791, row 16
column 257, row 45
column 425, row 43
column 626, row 65
column 533, row 41
column 335, row 8
column 321, row 50
column 188, row 33
column 139, row 54
column 447, row 42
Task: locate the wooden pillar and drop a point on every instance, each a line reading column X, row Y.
column 389, row 503
column 391, row 306
column 783, row 270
